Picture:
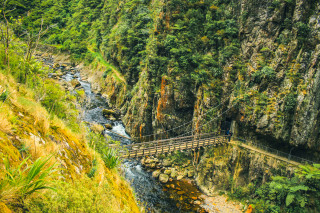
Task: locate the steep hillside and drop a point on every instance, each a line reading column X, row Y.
column 181, row 58
column 45, row 159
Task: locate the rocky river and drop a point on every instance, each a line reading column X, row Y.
column 177, row 193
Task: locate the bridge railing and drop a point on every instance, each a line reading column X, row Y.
column 168, row 145
column 276, row 152
column 166, row 136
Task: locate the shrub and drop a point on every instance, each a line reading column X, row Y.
column 4, row 95
column 18, row 182
column 265, row 73
column 290, row 103
column 303, row 31
column 110, row 158
column 100, row 144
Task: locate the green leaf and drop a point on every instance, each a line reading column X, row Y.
column 289, row 199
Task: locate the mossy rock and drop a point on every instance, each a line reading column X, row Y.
column 108, row 113
column 163, row 178
column 156, row 173
column 108, row 126
column 75, row 83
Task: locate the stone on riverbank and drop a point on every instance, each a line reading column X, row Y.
column 163, row 178
column 167, row 171
column 108, row 112
column 180, row 177
column 155, row 174
column 166, row 163
column 108, row 126
column 75, row 83
column 190, row 174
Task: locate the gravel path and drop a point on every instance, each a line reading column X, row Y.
column 220, row 203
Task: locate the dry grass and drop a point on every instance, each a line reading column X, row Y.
column 97, row 128
column 39, row 115
column 5, row 125
column 23, row 118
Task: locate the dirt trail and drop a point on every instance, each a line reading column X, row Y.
column 220, row 203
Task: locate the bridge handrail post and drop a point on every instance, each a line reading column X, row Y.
column 192, row 141
column 156, row 148
column 198, row 142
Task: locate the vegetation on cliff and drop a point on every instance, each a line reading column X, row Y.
column 207, row 52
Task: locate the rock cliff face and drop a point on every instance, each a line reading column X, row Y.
column 234, row 168
column 277, row 85
column 262, row 54
column 286, row 108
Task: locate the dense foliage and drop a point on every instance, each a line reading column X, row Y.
column 299, row 193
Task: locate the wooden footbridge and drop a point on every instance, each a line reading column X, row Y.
column 173, row 144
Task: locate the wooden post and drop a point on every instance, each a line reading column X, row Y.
column 156, row 148
column 198, row 142
column 192, row 141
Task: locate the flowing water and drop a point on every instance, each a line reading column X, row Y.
column 149, row 192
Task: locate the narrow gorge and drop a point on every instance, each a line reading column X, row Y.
column 159, row 106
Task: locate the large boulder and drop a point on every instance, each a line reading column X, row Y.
column 108, row 113
column 163, row 178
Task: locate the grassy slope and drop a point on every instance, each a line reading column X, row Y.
column 26, row 128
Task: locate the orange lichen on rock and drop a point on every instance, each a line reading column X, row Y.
column 163, row 99
column 249, row 210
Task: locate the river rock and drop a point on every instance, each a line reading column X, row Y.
column 156, row 173
column 108, row 126
column 180, row 177
column 143, row 161
column 197, row 202
column 155, row 160
column 190, row 173
column 166, row 163
column 148, row 161
column 163, row 178
column 56, row 65
column 108, row 113
column 153, row 165
column 174, row 173
column 112, row 118
column 75, row 83
column 167, row 171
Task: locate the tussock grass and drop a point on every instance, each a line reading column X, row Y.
column 28, row 129
column 5, row 125
column 25, row 179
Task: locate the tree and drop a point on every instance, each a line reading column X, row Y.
column 5, row 33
